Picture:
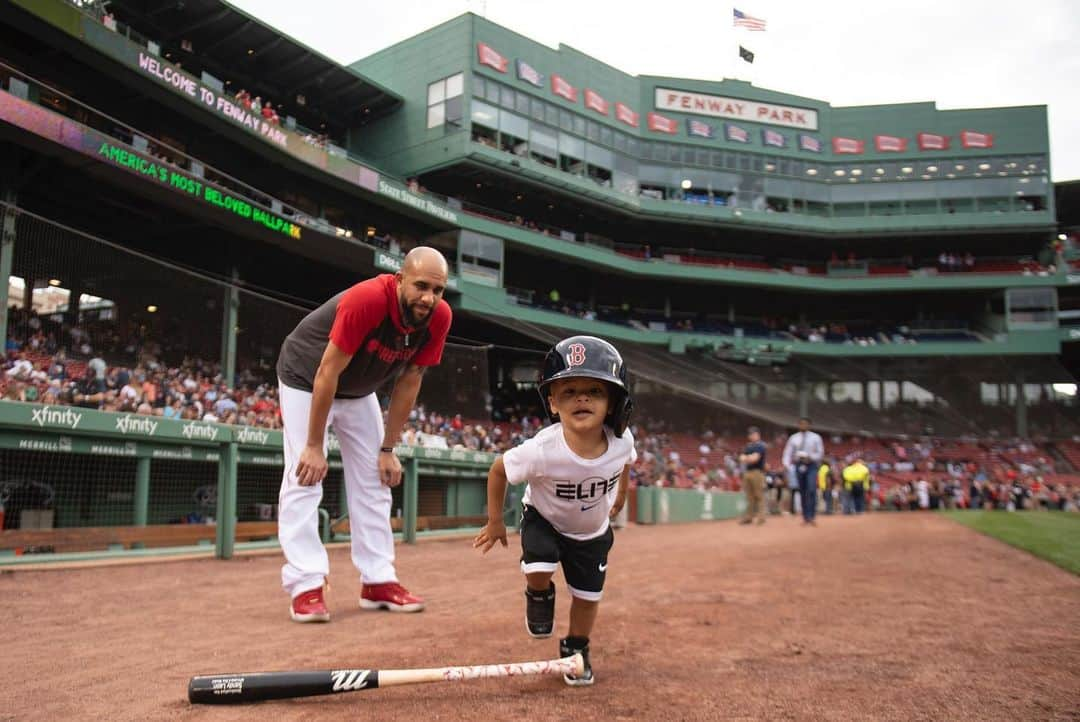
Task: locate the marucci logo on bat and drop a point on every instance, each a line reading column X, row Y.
column 349, row 680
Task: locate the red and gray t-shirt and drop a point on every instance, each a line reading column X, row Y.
column 364, row 321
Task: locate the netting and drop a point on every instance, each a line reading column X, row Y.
column 81, row 307
column 45, row 489
column 76, row 295
column 459, row 385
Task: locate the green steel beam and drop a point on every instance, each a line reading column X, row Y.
column 410, row 499
column 226, row 503
column 7, row 256
column 142, row 490
column 229, row 322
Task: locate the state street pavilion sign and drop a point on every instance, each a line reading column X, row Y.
column 719, row 106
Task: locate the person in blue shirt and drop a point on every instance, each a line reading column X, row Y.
column 753, row 461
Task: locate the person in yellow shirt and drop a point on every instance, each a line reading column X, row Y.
column 824, row 484
column 856, row 486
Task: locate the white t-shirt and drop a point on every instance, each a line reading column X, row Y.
column 572, row 493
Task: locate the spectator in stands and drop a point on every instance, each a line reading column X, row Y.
column 802, row 456
column 90, row 392
column 21, row 369
column 130, row 396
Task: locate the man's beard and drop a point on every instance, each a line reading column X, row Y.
column 410, row 319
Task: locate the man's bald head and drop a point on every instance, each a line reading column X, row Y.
column 425, row 260
column 421, row 283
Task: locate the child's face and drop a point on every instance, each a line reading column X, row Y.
column 581, row 403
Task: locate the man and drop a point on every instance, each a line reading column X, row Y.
column 856, row 486
column 802, row 455
column 825, row 484
column 329, row 368
column 753, row 461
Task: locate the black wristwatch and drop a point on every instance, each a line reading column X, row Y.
column 386, row 449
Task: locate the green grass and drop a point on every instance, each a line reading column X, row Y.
column 1053, row 536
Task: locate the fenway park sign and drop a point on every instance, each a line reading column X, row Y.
column 720, row 106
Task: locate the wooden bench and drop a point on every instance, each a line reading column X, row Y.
column 423, row 523
column 99, row 538
column 96, row 538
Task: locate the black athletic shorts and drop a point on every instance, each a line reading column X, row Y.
column 584, row 563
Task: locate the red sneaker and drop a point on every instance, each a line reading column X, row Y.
column 309, row 606
column 389, row 595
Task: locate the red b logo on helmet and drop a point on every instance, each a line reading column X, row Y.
column 575, row 354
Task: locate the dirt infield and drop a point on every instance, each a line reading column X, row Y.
column 892, row 616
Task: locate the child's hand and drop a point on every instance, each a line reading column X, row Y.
column 492, row 532
column 616, row 507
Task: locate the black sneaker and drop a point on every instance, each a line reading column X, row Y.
column 540, row 612
column 567, row 649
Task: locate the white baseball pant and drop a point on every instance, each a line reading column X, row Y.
column 358, row 426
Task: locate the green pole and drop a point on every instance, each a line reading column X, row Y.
column 804, row 394
column 1021, row 406
column 410, row 496
column 512, row 507
column 7, row 257
column 229, row 321
column 226, row 502
column 452, row 498
column 142, row 490
column 142, row 494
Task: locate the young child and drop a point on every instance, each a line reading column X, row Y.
column 577, row 471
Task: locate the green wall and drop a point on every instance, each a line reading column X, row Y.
column 401, row 140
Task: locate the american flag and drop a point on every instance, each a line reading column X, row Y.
column 771, row 137
column 701, row 130
column 810, row 143
column 742, row 20
column 529, row 74
column 736, row 133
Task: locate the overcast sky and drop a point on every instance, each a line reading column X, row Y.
column 958, row 53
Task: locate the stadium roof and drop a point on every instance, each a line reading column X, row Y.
column 238, row 47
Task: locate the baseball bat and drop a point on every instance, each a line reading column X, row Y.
column 259, row 686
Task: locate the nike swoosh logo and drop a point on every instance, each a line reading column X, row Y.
column 590, row 506
column 603, row 567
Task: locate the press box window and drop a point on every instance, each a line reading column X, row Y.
column 444, row 104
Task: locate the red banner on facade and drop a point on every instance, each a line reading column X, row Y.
column 623, row 113
column 847, row 145
column 974, row 139
column 661, row 124
column 559, row 86
column 595, row 102
column 489, row 56
column 932, row 141
column 890, row 144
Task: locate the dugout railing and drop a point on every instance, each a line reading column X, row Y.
column 81, row 483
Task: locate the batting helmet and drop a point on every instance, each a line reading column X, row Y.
column 590, row 357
